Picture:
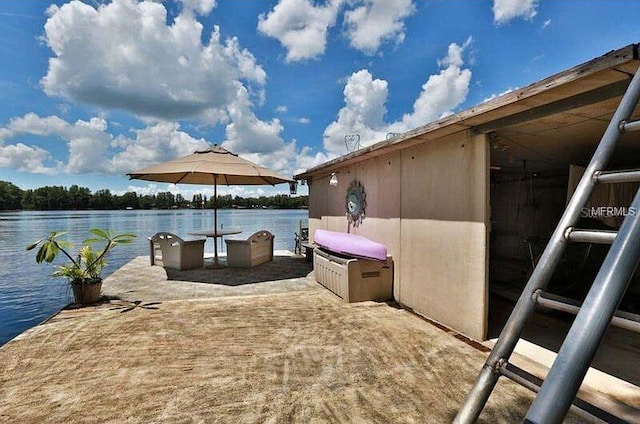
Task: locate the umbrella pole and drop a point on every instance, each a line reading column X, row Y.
column 215, row 219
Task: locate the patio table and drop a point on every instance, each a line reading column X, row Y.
column 215, row 234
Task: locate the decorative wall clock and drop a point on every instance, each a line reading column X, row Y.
column 355, row 203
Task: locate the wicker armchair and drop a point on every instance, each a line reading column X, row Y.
column 253, row 251
column 175, row 252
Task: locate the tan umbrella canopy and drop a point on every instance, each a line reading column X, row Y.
column 213, row 166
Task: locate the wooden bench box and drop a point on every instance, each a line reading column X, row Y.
column 354, row 279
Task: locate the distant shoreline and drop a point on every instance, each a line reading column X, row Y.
column 60, row 198
column 150, row 209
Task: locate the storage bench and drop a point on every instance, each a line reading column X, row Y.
column 354, row 279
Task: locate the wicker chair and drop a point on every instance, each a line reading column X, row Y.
column 175, row 252
column 302, row 236
column 253, row 251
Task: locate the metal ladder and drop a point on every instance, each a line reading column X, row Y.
column 563, row 381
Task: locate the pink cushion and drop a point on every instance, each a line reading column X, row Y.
column 350, row 244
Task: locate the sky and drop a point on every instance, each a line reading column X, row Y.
column 95, row 89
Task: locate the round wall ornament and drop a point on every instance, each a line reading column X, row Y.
column 355, row 203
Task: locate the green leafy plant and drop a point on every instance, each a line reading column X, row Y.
column 88, row 264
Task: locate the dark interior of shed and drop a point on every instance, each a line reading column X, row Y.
column 525, row 208
column 529, row 186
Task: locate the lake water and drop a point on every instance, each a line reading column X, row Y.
column 28, row 293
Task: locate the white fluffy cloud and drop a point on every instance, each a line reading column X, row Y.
column 129, row 54
column 92, row 149
column 203, row 7
column 33, row 124
column 124, row 55
column 506, row 10
column 441, row 93
column 87, row 143
column 259, row 141
column 246, row 133
column 25, row 158
column 154, row 144
column 308, row 159
column 363, row 113
column 365, row 99
column 376, row 21
column 300, row 26
column 288, row 160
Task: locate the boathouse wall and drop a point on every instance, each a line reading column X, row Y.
column 428, row 204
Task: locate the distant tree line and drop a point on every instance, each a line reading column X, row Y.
column 13, row 197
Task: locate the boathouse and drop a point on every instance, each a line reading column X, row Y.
column 465, row 204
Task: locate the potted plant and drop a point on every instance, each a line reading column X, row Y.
column 84, row 271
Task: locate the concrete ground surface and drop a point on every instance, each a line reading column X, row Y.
column 228, row 346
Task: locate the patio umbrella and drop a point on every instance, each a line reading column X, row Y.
column 212, row 166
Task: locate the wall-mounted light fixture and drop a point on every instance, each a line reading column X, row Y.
column 333, row 181
column 293, row 187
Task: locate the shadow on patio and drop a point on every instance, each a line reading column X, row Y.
column 281, row 268
column 137, row 280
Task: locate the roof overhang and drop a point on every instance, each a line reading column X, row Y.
column 601, row 82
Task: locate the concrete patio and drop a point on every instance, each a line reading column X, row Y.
column 226, row 346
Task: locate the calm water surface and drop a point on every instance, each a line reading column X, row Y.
column 28, row 293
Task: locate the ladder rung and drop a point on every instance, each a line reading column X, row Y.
column 621, row 319
column 624, row 176
column 591, row 236
column 520, row 376
column 627, row 126
column 582, row 408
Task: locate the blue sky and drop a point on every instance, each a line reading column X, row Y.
column 92, row 90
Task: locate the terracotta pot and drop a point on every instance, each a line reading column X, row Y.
column 86, row 291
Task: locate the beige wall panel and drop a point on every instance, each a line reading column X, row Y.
column 444, row 239
column 318, row 197
column 445, row 180
column 387, row 232
column 318, row 204
column 444, row 273
column 331, row 223
column 314, row 224
column 336, row 195
column 337, row 223
column 380, row 178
